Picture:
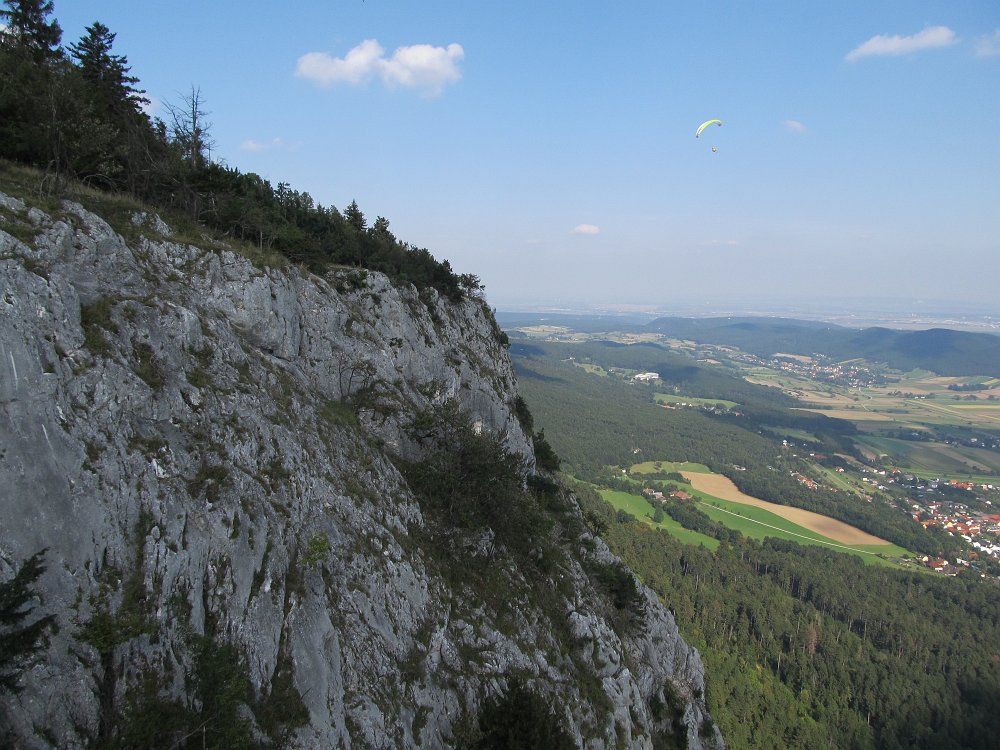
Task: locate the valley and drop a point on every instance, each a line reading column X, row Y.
column 940, row 431
column 824, row 529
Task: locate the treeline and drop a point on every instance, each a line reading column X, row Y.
column 78, row 113
column 809, row 648
column 593, row 422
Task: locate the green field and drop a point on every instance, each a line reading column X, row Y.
column 791, row 433
column 937, row 459
column 758, row 523
column 641, row 509
column 652, row 467
column 670, row 398
column 751, row 521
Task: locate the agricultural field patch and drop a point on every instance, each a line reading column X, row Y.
column 758, row 523
column 640, row 508
column 669, row 398
column 592, row 369
column 939, row 459
column 811, row 524
column 653, row 467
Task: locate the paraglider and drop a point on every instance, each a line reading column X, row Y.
column 697, row 133
column 705, row 124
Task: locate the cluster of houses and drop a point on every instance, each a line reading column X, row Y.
column 981, row 529
column 816, row 368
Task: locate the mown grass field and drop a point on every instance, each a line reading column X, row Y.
column 667, row 398
column 651, row 467
column 752, row 522
column 758, row 523
column 640, row 508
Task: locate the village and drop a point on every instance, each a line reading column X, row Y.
column 939, row 503
column 853, row 374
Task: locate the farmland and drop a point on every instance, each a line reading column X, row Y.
column 755, row 588
column 755, row 519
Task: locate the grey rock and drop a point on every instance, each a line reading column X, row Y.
column 176, row 430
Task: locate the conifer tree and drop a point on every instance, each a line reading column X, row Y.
column 29, row 54
column 116, row 135
column 17, row 639
column 29, row 29
column 106, row 73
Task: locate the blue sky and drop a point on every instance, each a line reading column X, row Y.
column 549, row 147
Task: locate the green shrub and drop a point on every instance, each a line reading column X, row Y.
column 95, row 318
column 473, row 482
column 148, row 367
column 317, row 550
column 519, row 718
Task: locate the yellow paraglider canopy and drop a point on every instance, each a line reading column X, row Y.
column 705, row 125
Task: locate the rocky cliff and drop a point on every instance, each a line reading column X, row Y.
column 214, row 456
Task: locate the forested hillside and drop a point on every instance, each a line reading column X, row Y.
column 593, row 421
column 807, row 647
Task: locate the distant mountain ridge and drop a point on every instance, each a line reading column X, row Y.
column 941, row 350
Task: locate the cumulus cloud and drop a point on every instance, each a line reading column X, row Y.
column 884, row 44
column 794, row 126
column 989, row 46
column 586, row 229
column 420, row 66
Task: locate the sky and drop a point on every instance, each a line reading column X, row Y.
column 549, row 147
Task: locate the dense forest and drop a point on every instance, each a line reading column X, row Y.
column 809, row 648
column 78, row 113
column 805, row 647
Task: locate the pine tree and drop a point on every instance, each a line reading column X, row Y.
column 115, row 134
column 107, row 73
column 29, row 30
column 355, row 217
column 29, row 101
column 18, row 640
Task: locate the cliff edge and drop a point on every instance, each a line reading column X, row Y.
column 225, row 466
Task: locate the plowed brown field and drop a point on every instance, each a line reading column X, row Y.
column 723, row 488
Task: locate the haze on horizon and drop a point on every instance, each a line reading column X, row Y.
column 550, row 149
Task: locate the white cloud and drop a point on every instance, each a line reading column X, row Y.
column 423, row 66
column 420, row 66
column 883, row 44
column 989, row 46
column 586, row 229
column 794, row 126
column 251, row 145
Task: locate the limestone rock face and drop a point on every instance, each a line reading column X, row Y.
column 208, row 450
